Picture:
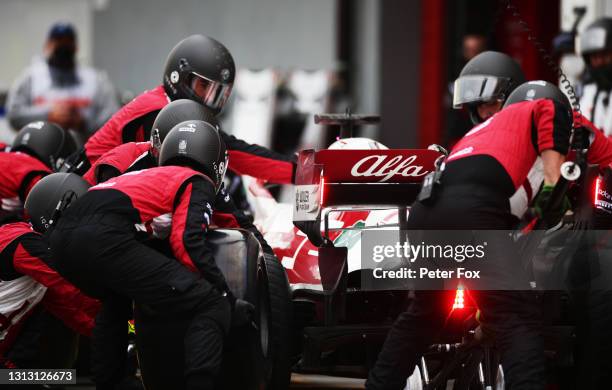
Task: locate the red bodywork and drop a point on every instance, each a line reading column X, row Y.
column 350, row 177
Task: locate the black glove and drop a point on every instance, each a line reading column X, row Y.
column 243, row 313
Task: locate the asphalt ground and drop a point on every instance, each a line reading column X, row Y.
column 298, row 381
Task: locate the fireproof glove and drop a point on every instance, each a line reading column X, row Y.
column 243, row 313
column 554, row 214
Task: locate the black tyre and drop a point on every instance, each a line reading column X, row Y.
column 275, row 289
column 254, row 358
column 259, row 358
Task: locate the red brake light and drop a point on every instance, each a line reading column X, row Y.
column 597, row 186
column 322, row 198
column 459, row 299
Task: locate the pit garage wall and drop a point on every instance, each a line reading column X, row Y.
column 400, row 73
column 511, row 38
column 259, row 33
column 424, row 34
column 412, row 72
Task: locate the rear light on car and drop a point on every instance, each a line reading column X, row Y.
column 459, row 302
column 596, row 192
column 322, row 198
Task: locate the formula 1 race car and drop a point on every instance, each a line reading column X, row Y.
column 356, row 184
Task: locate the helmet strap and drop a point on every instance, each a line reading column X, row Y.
column 156, row 141
column 69, row 197
column 473, row 112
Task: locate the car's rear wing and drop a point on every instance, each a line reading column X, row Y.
column 334, row 180
column 331, row 178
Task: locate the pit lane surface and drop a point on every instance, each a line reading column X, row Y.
column 322, row 382
column 298, row 381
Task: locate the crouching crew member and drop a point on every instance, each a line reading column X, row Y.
column 29, row 284
column 96, row 245
column 32, row 156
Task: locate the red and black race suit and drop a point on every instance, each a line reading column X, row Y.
column 483, row 171
column 164, row 202
column 25, row 267
column 259, row 162
column 600, row 146
column 510, row 142
column 135, row 156
column 18, row 174
column 133, row 124
column 117, row 161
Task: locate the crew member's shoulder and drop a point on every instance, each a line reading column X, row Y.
column 22, row 160
column 18, row 227
column 13, row 231
column 155, row 94
column 131, row 146
column 531, row 105
column 149, row 100
column 175, row 171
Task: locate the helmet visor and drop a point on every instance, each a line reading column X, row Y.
column 479, row 89
column 212, row 94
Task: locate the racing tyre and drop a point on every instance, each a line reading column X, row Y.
column 258, row 358
column 255, row 358
column 275, row 290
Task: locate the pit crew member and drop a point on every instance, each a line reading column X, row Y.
column 482, row 172
column 29, row 283
column 32, row 156
column 201, row 69
column 95, row 246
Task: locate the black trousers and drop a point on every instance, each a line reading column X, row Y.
column 513, row 316
column 101, row 256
